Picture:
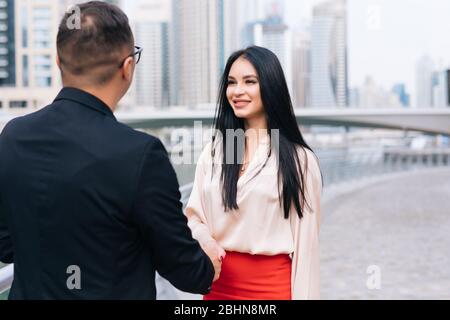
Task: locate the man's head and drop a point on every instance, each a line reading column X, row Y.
column 99, row 50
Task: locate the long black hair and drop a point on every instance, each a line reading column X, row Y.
column 279, row 115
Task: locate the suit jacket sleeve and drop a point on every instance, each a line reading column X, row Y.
column 159, row 216
column 6, row 248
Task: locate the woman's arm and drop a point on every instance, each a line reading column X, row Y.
column 306, row 258
column 195, row 209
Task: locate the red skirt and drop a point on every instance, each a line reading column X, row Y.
column 253, row 277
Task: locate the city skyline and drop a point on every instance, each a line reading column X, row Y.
column 369, row 50
column 375, row 24
column 384, row 43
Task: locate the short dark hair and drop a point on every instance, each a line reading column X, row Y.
column 96, row 47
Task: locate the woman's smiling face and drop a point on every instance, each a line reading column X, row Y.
column 243, row 90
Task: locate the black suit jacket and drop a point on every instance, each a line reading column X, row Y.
column 85, row 199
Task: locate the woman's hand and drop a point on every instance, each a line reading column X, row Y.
column 216, row 254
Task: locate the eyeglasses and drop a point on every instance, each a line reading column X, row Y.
column 138, row 52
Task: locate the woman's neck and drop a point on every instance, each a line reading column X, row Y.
column 256, row 130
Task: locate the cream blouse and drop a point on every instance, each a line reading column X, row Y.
column 259, row 226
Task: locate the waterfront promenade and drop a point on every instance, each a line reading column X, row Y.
column 399, row 223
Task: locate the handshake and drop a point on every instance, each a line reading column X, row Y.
column 216, row 253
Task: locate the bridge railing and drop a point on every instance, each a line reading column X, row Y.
column 6, row 278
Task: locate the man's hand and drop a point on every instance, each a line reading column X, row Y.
column 216, row 254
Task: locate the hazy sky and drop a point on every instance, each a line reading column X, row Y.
column 387, row 37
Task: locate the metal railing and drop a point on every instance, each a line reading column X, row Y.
column 6, row 278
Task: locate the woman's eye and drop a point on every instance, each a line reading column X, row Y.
column 230, row 82
column 251, row 81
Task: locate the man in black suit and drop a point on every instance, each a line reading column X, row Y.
column 90, row 208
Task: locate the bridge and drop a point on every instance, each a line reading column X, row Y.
column 432, row 121
column 427, row 120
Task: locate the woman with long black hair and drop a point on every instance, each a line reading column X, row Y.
column 258, row 202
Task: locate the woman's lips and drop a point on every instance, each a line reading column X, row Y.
column 241, row 103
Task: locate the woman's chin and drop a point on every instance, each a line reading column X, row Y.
column 241, row 114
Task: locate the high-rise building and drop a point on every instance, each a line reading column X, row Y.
column 65, row 5
column 301, row 68
column 36, row 48
column 7, row 44
column 197, row 40
column 440, row 89
column 374, row 96
column 231, row 28
column 354, row 97
column 273, row 34
column 151, row 26
column 31, row 29
column 37, row 77
column 253, row 14
column 277, row 38
column 400, row 90
column 240, row 18
column 448, row 87
column 432, row 83
column 424, row 82
column 329, row 79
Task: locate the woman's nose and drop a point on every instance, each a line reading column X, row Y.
column 238, row 90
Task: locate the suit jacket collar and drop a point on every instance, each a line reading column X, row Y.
column 86, row 99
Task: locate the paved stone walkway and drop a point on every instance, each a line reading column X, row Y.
column 402, row 226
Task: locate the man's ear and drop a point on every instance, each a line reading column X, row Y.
column 128, row 69
column 58, row 61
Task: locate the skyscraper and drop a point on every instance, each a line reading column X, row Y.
column 374, row 96
column 301, row 64
column 64, row 5
column 329, row 80
column 400, row 90
column 152, row 33
column 36, row 48
column 231, row 27
column 7, row 44
column 30, row 28
column 37, row 77
column 198, row 41
column 277, row 38
column 424, row 82
column 448, row 87
column 252, row 14
column 440, row 87
column 273, row 34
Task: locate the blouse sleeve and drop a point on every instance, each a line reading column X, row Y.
column 306, row 258
column 195, row 209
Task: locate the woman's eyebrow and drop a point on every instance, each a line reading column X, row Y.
column 245, row 77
